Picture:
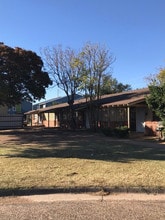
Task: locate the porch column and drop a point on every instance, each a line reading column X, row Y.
column 56, row 120
column 31, row 120
column 48, row 119
column 128, row 116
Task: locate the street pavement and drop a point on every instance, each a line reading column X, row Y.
column 83, row 206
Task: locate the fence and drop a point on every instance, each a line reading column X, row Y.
column 11, row 121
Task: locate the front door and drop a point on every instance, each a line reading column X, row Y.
column 140, row 118
column 133, row 119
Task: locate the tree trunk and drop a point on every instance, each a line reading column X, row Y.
column 72, row 115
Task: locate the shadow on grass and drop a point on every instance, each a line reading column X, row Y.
column 99, row 191
column 84, row 145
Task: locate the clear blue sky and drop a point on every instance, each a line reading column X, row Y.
column 134, row 30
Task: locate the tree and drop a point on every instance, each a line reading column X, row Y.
column 21, row 76
column 64, row 68
column 87, row 70
column 96, row 60
column 110, row 85
column 156, row 99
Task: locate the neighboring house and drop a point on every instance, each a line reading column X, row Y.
column 13, row 117
column 53, row 101
column 121, row 109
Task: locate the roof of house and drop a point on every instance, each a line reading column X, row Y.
column 126, row 98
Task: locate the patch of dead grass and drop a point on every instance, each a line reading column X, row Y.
column 80, row 163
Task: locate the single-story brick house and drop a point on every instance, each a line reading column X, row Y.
column 127, row 108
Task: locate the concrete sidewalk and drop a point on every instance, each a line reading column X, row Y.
column 94, row 197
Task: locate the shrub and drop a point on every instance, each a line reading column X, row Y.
column 108, row 132
column 121, row 132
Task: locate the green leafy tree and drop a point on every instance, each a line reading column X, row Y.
column 110, row 85
column 21, row 76
column 156, row 99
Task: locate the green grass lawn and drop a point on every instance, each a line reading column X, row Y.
column 79, row 161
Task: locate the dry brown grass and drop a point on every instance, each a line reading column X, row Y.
column 78, row 160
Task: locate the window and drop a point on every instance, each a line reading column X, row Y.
column 12, row 110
